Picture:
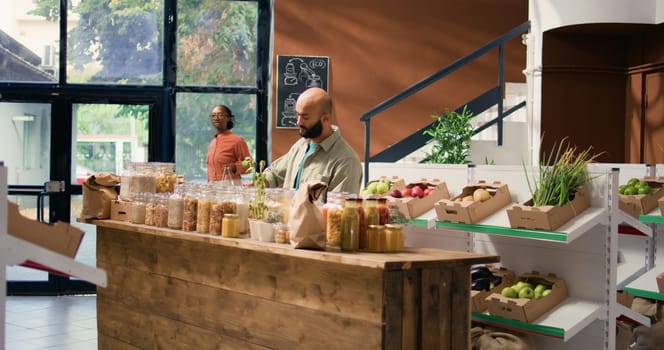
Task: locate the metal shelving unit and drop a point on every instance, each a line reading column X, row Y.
column 584, row 251
column 14, row 251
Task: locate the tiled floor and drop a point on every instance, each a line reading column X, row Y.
column 54, row 323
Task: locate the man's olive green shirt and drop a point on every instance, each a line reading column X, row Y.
column 333, row 162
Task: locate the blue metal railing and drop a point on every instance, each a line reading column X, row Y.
column 478, row 105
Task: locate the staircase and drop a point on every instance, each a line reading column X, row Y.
column 484, row 148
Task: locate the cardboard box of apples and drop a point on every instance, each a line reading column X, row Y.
column 640, row 196
column 529, row 298
column 418, row 197
column 476, row 202
column 486, row 280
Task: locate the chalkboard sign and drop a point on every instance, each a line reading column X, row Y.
column 294, row 75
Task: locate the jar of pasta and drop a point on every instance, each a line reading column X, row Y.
column 165, row 177
column 161, row 210
column 222, row 204
column 190, row 210
column 332, row 211
column 150, row 205
column 203, row 209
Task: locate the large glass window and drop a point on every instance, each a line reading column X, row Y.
column 29, row 38
column 194, row 130
column 216, row 43
column 115, row 42
column 106, row 137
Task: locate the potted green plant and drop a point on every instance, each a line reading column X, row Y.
column 257, row 206
column 451, row 134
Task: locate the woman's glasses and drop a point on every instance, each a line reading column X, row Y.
column 218, row 115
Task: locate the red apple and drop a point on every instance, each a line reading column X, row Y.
column 417, row 192
column 395, row 193
column 427, row 191
column 407, row 192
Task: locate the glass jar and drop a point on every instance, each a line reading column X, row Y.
column 350, row 225
column 230, row 226
column 190, row 211
column 150, row 204
column 242, row 206
column 203, row 210
column 176, row 207
column 332, row 211
column 221, row 204
column 371, row 215
column 161, row 210
column 137, row 177
column 165, row 177
column 376, row 238
column 282, row 233
column 138, row 206
column 362, row 235
column 383, row 211
column 394, row 238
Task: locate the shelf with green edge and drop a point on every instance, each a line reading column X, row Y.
column 645, row 286
column 653, row 217
column 563, row 321
column 498, row 224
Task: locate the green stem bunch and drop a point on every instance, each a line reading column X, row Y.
column 561, row 173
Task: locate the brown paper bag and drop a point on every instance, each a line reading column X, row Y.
column 305, row 218
column 98, row 192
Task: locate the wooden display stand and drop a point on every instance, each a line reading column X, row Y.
column 173, row 289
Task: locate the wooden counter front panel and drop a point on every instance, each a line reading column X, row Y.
column 283, row 302
column 172, row 291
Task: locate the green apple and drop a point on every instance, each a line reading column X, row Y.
column 372, row 188
column 509, row 292
column 526, row 292
column 517, row 287
column 540, row 288
column 538, row 294
column 382, row 187
column 527, row 284
column 546, row 292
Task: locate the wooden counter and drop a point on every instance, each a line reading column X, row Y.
column 170, row 289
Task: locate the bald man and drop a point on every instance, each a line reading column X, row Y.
column 327, row 156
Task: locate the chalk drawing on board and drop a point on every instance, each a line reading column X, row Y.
column 296, row 74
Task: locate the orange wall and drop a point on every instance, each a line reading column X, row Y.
column 380, row 47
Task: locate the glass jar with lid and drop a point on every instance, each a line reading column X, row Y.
column 383, row 211
column 230, row 226
column 242, row 205
column 190, row 207
column 203, row 209
column 161, row 210
column 375, row 238
column 138, row 205
column 138, row 177
column 394, row 238
column 176, row 207
column 350, row 225
column 150, row 205
column 165, row 177
column 332, row 211
column 222, row 203
column 282, row 233
column 362, row 236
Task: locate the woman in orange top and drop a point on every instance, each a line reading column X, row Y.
column 226, row 149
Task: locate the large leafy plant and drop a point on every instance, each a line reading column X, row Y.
column 560, row 174
column 451, row 135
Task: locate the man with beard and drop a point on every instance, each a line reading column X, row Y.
column 321, row 154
